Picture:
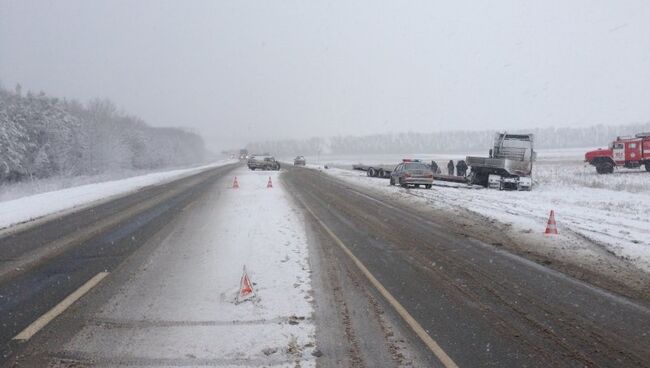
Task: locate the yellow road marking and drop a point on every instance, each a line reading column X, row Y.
column 42, row 321
column 415, row 326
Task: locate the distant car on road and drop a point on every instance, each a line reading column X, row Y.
column 412, row 173
column 263, row 163
column 299, row 161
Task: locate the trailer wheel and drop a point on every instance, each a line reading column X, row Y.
column 427, row 186
column 372, row 172
column 604, row 167
column 381, row 173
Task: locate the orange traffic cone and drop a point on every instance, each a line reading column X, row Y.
column 235, row 184
column 245, row 288
column 270, row 183
column 551, row 226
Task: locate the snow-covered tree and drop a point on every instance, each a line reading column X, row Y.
column 42, row 136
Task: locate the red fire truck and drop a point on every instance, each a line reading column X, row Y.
column 630, row 152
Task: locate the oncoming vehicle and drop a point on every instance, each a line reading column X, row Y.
column 412, row 173
column 263, row 163
column 299, row 161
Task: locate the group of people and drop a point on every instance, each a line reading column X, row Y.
column 460, row 168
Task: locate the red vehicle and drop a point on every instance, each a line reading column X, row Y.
column 630, row 152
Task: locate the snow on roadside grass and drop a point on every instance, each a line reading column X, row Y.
column 616, row 219
column 35, row 206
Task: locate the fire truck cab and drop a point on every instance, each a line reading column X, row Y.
column 629, row 152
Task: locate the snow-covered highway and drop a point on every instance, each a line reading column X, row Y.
column 343, row 276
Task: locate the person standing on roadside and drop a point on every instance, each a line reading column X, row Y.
column 450, row 167
column 461, row 168
column 434, row 167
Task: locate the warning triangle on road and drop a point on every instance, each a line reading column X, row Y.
column 270, row 183
column 235, row 183
column 246, row 290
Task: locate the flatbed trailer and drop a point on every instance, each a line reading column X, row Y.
column 375, row 171
column 450, row 178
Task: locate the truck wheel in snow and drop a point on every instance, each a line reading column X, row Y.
column 604, row 167
column 380, row 173
column 372, row 172
column 427, row 186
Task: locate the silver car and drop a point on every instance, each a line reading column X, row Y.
column 263, row 163
column 412, row 173
column 299, row 161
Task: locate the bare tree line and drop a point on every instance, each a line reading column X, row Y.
column 444, row 142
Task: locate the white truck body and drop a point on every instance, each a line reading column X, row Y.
column 509, row 165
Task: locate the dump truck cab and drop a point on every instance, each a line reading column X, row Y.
column 509, row 165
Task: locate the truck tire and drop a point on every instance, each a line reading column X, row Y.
column 381, row 173
column 372, row 172
column 604, row 167
column 427, row 186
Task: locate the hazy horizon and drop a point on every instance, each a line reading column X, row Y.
column 254, row 71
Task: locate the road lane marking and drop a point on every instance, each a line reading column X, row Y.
column 413, row 324
column 42, row 321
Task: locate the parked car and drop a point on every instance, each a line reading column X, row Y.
column 263, row 163
column 412, row 173
column 299, row 161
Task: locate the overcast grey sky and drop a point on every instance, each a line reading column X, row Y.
column 238, row 71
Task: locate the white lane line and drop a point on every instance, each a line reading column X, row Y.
column 43, row 320
column 415, row 326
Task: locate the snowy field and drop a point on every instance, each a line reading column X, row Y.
column 613, row 211
column 31, row 207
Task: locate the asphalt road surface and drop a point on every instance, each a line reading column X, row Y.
column 481, row 305
column 41, row 265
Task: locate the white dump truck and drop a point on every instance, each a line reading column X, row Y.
column 509, row 165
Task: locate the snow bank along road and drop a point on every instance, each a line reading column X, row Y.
column 25, row 210
column 482, row 305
